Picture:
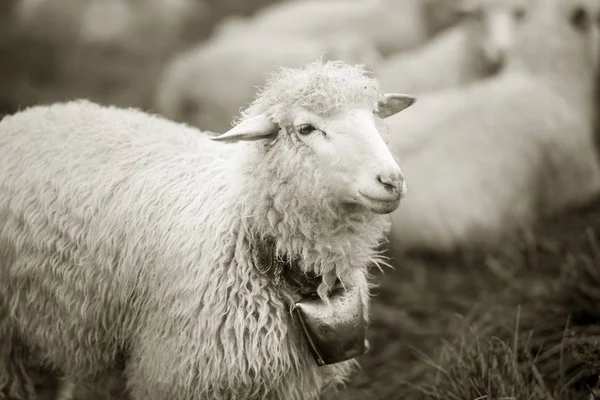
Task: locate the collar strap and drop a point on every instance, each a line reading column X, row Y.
column 282, row 271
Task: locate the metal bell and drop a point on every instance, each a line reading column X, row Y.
column 335, row 332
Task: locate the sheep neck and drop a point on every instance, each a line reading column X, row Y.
column 327, row 239
column 284, row 271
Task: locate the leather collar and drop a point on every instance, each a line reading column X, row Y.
column 284, row 271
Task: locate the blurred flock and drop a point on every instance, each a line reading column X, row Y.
column 495, row 286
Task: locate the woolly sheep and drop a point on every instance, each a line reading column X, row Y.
column 125, row 236
column 390, row 25
column 494, row 157
column 473, row 49
column 207, row 85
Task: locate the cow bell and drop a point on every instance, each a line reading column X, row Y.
column 337, row 331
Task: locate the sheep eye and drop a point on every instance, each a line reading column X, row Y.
column 579, row 18
column 305, row 129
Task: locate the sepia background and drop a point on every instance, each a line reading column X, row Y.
column 501, row 304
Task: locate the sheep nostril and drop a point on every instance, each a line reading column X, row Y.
column 391, row 183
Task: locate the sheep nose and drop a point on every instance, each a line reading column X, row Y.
column 392, row 182
column 496, row 57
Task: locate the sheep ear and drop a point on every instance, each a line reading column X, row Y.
column 255, row 128
column 393, row 103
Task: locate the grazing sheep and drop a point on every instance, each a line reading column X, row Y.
column 390, row 25
column 207, row 85
column 128, row 239
column 496, row 156
column 474, row 49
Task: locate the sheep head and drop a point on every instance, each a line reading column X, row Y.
column 325, row 119
column 584, row 18
column 562, row 37
column 495, row 25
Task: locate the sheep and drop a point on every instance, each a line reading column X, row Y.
column 390, row 25
column 474, row 49
column 199, row 88
column 126, row 236
column 492, row 158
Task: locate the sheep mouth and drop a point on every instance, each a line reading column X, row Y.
column 380, row 205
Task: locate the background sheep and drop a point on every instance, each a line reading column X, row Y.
column 495, row 156
column 128, row 236
column 390, row 25
column 200, row 88
column 473, row 49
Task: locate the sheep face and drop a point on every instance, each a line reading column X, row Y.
column 344, row 150
column 496, row 22
column 319, row 126
column 584, row 19
column 353, row 161
column 576, row 27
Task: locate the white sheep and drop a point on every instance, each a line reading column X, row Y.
column 471, row 50
column 207, row 85
column 390, row 25
column 125, row 237
column 494, row 157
